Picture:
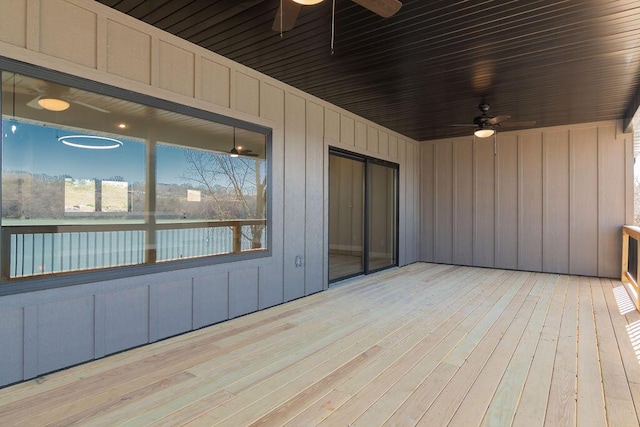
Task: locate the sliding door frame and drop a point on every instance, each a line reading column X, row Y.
column 368, row 161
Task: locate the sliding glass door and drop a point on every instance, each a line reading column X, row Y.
column 363, row 206
column 382, row 219
column 346, row 213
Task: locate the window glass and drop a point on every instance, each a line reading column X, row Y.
column 92, row 181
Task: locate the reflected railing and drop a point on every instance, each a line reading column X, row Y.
column 630, row 262
column 36, row 250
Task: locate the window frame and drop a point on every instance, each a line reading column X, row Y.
column 72, row 278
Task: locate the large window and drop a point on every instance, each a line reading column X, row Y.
column 91, row 181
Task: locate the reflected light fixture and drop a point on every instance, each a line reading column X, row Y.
column 91, row 142
column 53, row 104
column 234, row 152
column 307, row 2
column 484, row 132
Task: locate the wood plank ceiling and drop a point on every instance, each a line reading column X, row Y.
column 430, row 65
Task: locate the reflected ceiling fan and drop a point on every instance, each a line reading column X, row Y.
column 289, row 9
column 239, row 151
column 486, row 125
column 51, row 96
column 59, row 102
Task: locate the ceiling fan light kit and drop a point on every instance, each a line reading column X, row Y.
column 288, row 11
column 53, row 104
column 484, row 132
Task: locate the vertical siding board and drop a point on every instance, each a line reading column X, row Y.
column 128, row 52
column 99, row 322
column 484, row 212
column 243, row 292
column 530, row 203
column 63, row 24
column 294, row 195
column 347, row 130
column 65, row 333
column 372, row 141
column 272, row 101
column 332, row 125
column 611, row 200
column 177, row 69
column 402, row 228
column 30, row 347
column 463, row 235
column 247, row 94
column 383, row 144
column 126, row 319
column 175, row 305
column 13, row 20
column 583, row 240
column 215, row 83
column 409, row 231
column 444, row 202
column 427, row 191
column 555, row 236
column 314, row 192
column 506, row 200
column 361, row 135
column 393, row 147
column 210, row 299
column 416, row 203
column 11, row 345
column 629, row 181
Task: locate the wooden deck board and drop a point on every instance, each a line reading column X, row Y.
column 561, row 405
column 495, row 394
column 429, row 344
column 535, row 388
column 620, row 410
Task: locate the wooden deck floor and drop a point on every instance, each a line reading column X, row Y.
column 427, row 344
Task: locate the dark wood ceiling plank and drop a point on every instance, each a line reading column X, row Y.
column 554, row 61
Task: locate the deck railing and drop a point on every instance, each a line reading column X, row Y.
column 34, row 250
column 630, row 261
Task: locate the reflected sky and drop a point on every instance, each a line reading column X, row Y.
column 36, row 149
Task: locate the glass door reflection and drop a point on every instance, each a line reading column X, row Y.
column 382, row 215
column 346, row 213
column 363, row 215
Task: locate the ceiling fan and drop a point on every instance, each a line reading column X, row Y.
column 239, row 151
column 59, row 102
column 486, row 125
column 50, row 96
column 289, row 9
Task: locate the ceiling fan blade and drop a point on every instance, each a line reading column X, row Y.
column 460, row 125
column 93, row 107
column 34, row 103
column 528, row 124
column 497, row 120
column 384, row 8
column 289, row 13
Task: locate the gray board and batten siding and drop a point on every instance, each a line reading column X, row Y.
column 46, row 330
column 549, row 200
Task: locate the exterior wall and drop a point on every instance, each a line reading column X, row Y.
column 551, row 200
column 48, row 330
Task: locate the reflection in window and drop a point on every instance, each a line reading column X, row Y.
column 115, row 196
column 131, row 184
column 79, row 195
